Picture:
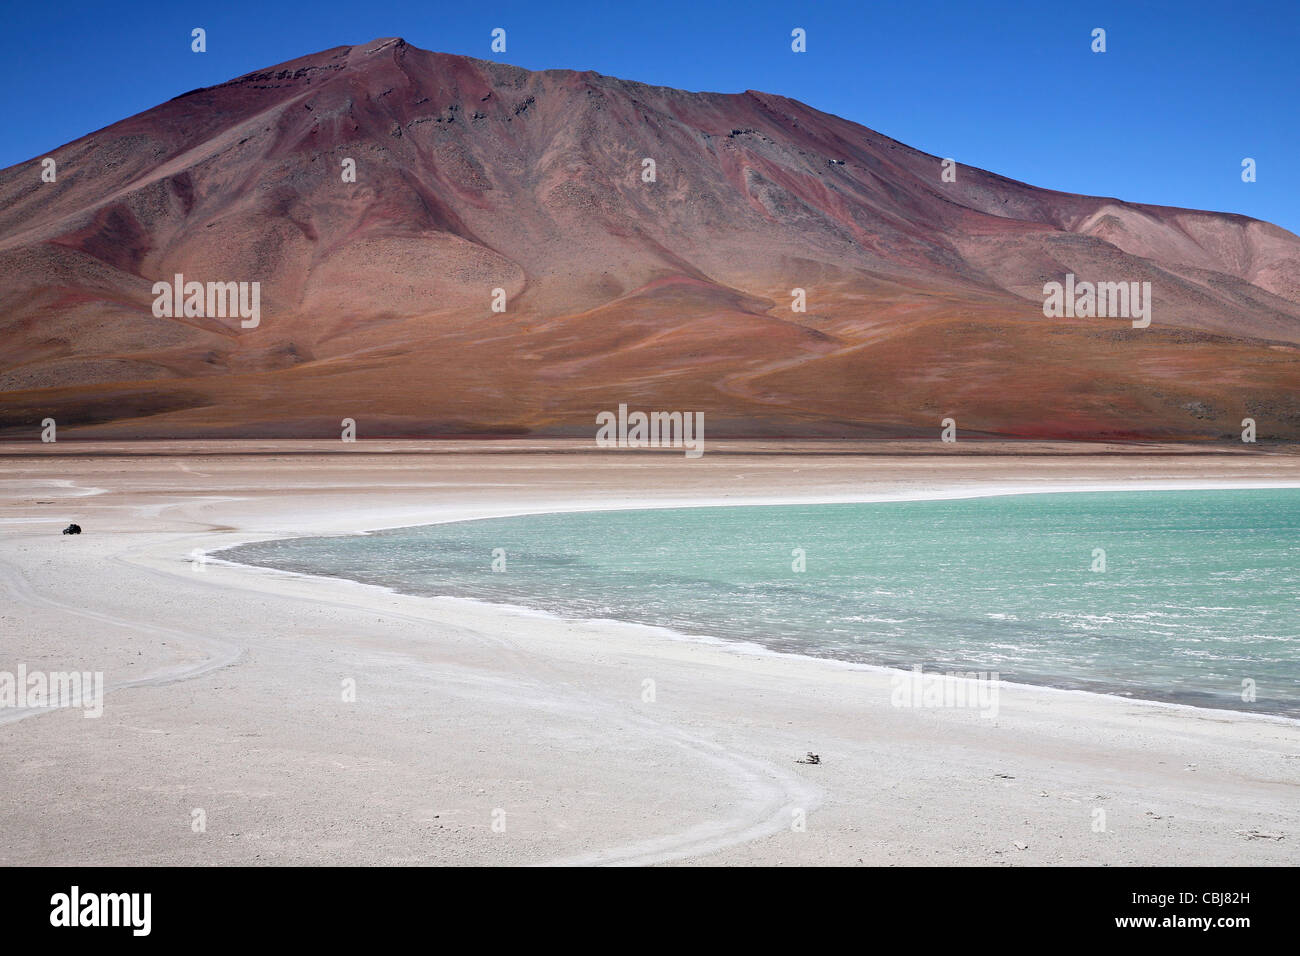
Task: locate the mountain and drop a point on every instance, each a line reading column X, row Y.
column 925, row 298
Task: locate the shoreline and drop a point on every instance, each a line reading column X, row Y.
column 749, row 648
column 657, row 631
column 464, row 708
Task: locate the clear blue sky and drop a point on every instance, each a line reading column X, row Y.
column 1184, row 92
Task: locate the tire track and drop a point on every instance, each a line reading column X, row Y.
column 221, row 653
column 770, row 794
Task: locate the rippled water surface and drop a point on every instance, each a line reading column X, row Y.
column 1200, row 592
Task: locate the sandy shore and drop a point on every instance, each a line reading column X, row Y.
column 225, row 684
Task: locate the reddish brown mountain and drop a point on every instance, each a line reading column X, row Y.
column 924, row 298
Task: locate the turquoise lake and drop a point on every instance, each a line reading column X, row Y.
column 1200, row 592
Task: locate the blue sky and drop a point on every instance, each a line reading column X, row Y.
column 1184, row 92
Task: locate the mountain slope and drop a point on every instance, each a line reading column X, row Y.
column 924, row 298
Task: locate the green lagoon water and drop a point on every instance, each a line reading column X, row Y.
column 1201, row 589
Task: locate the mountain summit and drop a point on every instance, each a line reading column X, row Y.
column 645, row 244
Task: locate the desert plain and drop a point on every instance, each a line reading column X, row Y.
column 488, row 735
